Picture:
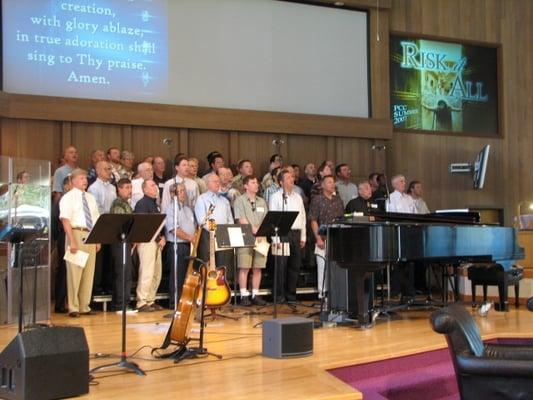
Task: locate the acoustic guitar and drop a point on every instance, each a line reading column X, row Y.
column 218, row 292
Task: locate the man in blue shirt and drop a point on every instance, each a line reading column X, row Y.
column 221, row 214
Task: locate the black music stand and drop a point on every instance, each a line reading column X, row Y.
column 225, row 241
column 276, row 224
column 18, row 235
column 123, row 229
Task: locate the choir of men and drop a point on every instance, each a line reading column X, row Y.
column 189, row 201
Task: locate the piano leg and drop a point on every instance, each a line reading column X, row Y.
column 364, row 287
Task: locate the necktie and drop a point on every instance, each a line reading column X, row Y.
column 87, row 212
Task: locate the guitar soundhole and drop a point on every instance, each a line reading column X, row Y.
column 212, row 274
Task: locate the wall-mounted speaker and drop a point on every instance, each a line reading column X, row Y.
column 45, row 364
column 287, row 337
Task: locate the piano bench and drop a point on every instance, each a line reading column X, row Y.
column 492, row 274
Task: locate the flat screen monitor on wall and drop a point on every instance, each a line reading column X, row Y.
column 441, row 86
column 261, row 55
column 480, row 167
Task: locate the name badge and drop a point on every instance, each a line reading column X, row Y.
column 373, row 206
column 161, row 185
column 260, row 209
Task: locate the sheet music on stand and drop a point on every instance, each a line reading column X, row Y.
column 234, row 236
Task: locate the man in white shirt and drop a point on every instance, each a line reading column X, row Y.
column 78, row 212
column 145, row 172
column 416, row 192
column 181, row 165
column 399, row 201
column 104, row 193
column 193, row 174
column 402, row 277
column 287, row 199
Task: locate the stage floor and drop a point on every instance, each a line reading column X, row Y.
column 243, row 373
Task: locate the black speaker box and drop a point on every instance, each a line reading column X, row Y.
column 44, row 364
column 287, row 337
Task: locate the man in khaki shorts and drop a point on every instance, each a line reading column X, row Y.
column 251, row 209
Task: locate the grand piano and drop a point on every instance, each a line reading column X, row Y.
column 367, row 244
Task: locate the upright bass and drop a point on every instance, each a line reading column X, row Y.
column 181, row 322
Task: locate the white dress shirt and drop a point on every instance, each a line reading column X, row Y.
column 421, row 206
column 293, row 202
column 346, row 191
column 400, row 202
column 71, row 208
column 136, row 191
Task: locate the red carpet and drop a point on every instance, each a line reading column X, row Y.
column 427, row 376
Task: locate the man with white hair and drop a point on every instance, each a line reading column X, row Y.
column 145, row 172
column 399, row 201
column 402, row 278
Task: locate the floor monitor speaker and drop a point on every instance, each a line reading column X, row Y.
column 44, row 364
column 287, row 337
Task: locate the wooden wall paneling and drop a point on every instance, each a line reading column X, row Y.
column 88, row 137
column 509, row 174
column 116, row 112
column 184, row 140
column 304, row 149
column 127, row 137
column 233, row 154
column 148, row 141
column 31, row 139
column 66, row 136
column 202, row 142
column 331, row 149
column 357, row 153
column 379, row 63
column 258, row 148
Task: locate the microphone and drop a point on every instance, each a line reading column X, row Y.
column 284, row 197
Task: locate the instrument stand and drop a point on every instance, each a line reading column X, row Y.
column 183, row 352
column 175, row 258
column 130, row 228
column 213, row 314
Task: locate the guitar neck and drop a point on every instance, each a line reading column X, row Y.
column 212, row 250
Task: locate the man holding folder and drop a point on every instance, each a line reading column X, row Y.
column 78, row 212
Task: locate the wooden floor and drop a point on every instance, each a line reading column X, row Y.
column 243, row 373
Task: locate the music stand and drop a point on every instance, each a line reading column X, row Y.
column 276, row 224
column 17, row 235
column 228, row 236
column 123, row 229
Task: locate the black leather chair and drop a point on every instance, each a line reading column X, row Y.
column 484, row 371
column 492, row 274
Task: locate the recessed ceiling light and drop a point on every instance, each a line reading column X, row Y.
column 338, row 3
